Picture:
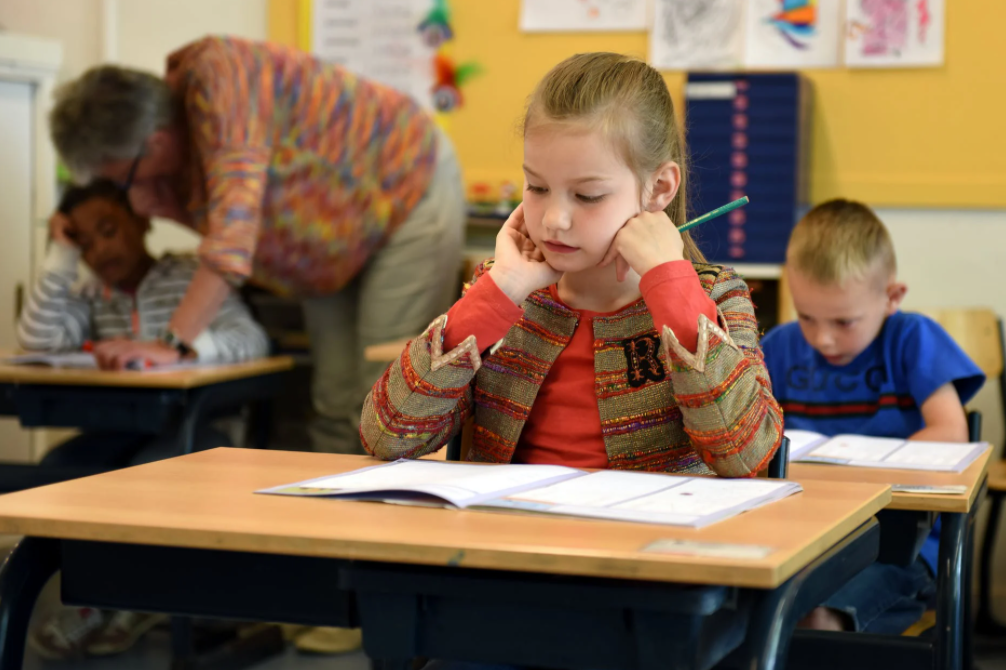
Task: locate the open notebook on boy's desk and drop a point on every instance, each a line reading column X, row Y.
column 71, row 359
column 84, row 360
column 550, row 489
column 882, row 452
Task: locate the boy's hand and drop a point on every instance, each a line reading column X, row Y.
column 117, row 354
column 520, row 267
column 60, row 228
column 645, row 241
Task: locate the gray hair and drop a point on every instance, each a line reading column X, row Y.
column 107, row 114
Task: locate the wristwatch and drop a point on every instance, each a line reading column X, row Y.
column 171, row 339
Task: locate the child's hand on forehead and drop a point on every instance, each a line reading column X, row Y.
column 645, row 241
column 61, row 229
column 520, row 267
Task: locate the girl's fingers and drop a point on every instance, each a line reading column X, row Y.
column 516, row 219
column 621, row 268
column 611, row 254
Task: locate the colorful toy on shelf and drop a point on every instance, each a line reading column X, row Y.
column 436, row 27
column 480, row 198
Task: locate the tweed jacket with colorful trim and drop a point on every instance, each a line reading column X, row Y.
column 662, row 407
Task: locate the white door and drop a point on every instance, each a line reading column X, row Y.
column 16, row 172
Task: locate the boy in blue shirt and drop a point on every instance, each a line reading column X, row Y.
column 853, row 363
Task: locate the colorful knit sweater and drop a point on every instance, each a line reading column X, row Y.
column 300, row 170
column 707, row 412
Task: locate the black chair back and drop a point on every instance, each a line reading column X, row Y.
column 974, row 426
column 778, row 467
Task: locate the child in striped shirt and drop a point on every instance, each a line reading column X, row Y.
column 132, row 295
column 127, row 303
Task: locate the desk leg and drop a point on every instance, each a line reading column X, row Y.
column 22, row 577
column 986, row 622
column 950, row 597
column 192, row 414
column 969, row 588
column 773, row 620
column 260, row 423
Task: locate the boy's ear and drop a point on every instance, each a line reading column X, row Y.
column 895, row 294
column 663, row 187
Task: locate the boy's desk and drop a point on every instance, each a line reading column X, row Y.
column 150, row 401
column 951, row 643
column 973, row 477
column 189, row 536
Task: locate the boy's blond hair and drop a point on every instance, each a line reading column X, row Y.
column 840, row 240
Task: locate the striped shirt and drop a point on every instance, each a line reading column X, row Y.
column 300, row 169
column 62, row 313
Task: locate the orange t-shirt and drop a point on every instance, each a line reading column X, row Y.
column 564, row 426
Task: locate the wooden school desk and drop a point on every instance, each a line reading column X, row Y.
column 188, row 536
column 950, row 646
column 151, row 401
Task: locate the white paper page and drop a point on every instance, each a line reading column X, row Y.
column 583, row 15
column 600, row 489
column 894, row 34
column 379, row 40
column 801, row 441
column 859, row 448
column 697, row 34
column 73, row 359
column 933, row 455
column 705, row 496
column 457, row 483
column 808, row 35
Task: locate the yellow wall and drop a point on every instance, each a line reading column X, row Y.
column 917, row 138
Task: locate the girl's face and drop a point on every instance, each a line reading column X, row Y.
column 578, row 193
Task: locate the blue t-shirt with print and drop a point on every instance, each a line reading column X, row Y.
column 880, row 393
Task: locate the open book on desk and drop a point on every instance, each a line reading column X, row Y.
column 882, row 452
column 550, row 489
column 71, row 359
column 84, row 360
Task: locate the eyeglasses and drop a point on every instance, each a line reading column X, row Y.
column 128, row 184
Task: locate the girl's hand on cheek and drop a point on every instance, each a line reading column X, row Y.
column 645, row 241
column 520, row 267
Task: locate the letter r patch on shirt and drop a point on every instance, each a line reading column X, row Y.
column 642, row 360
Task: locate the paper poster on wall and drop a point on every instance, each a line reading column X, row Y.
column 697, row 34
column 792, row 33
column 379, row 40
column 584, row 15
column 894, row 33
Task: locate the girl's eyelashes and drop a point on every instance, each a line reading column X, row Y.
column 586, row 199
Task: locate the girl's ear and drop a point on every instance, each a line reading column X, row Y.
column 663, row 187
